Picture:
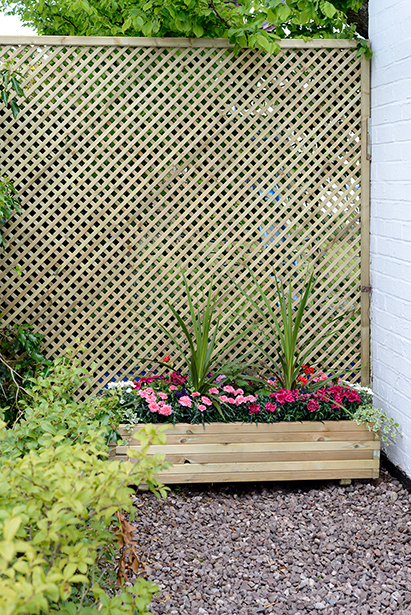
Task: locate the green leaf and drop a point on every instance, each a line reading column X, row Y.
column 328, row 9
column 283, row 12
column 11, row 527
column 5, row 97
column 198, row 31
column 15, row 109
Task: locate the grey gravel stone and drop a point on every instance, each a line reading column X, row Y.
column 285, row 549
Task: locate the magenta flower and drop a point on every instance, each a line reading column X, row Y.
column 254, row 408
column 185, row 401
column 313, row 405
column 270, row 407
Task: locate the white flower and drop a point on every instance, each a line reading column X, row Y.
column 121, row 401
column 121, row 385
column 357, row 387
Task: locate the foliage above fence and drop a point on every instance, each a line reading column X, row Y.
column 133, row 160
column 246, row 23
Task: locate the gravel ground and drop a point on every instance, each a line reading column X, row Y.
column 280, row 548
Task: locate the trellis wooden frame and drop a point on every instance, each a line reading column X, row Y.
column 237, row 452
column 133, row 156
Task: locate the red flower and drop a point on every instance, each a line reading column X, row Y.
column 166, row 359
column 254, row 408
column 307, row 370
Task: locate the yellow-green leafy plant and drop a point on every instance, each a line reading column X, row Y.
column 61, row 502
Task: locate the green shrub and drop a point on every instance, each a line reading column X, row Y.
column 50, row 410
column 21, row 359
column 59, row 496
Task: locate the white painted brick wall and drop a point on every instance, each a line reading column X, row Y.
column 390, row 35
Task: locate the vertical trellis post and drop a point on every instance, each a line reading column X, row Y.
column 365, row 221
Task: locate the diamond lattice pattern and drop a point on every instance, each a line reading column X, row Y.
column 133, row 162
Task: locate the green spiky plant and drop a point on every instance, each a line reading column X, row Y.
column 287, row 359
column 205, row 342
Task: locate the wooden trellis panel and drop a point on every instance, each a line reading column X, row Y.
column 134, row 157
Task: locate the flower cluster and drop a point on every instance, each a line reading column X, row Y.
column 172, row 399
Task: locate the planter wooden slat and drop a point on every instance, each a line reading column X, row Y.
column 253, row 428
column 226, row 452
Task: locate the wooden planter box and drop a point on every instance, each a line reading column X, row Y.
column 235, row 452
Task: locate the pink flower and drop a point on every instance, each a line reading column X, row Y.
column 240, row 400
column 185, row 401
column 148, row 391
column 154, row 407
column 161, row 403
column 173, row 388
column 219, row 378
column 223, row 398
column 229, row 389
column 231, row 400
column 195, row 394
column 206, row 401
column 250, row 398
column 214, row 391
column 283, row 395
column 352, row 396
column 165, row 410
column 254, row 408
column 239, row 392
column 201, row 407
column 312, row 405
column 162, row 395
column 270, row 407
column 150, row 399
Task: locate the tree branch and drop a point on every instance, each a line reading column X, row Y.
column 227, row 24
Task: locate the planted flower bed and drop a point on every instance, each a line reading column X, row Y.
column 228, row 424
column 233, row 435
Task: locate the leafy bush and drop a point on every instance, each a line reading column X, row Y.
column 58, row 499
column 21, row 359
